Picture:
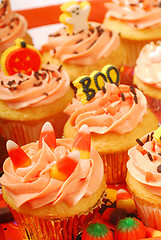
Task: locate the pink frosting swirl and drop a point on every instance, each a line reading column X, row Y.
column 12, row 26
column 34, row 185
column 113, row 110
column 137, row 15
column 148, row 65
column 144, row 166
column 84, row 48
column 41, row 87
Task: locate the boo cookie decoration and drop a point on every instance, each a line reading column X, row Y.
column 75, row 16
column 87, row 86
column 21, row 58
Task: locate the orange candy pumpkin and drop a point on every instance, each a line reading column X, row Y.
column 21, row 58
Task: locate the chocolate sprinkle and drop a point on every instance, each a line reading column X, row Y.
column 139, row 142
column 149, row 156
column 132, row 89
column 45, row 93
column 37, row 84
column 36, row 75
column 75, row 52
column 151, row 136
column 20, row 75
column 159, row 154
column 1, row 82
column 11, row 82
column 159, row 168
column 58, row 79
column 103, row 89
column 60, row 67
column 123, row 96
column 54, row 50
column 147, row 138
column 44, row 76
column 135, row 99
column 80, row 40
column 48, row 62
column 91, row 44
column 55, row 35
column 110, row 34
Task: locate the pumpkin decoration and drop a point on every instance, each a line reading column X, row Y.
column 21, row 58
column 129, row 229
column 96, row 231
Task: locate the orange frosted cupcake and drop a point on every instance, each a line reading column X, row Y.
column 144, row 178
column 53, row 187
column 147, row 76
column 138, row 22
column 12, row 26
column 82, row 46
column 31, row 94
column 115, row 115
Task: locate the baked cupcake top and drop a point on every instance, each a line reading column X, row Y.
column 137, row 14
column 148, row 65
column 80, row 42
column 112, row 108
column 51, row 171
column 144, row 163
column 12, row 25
column 25, row 83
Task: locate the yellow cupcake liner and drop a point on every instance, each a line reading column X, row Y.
column 115, row 167
column 32, row 228
column 26, row 132
column 154, row 105
column 150, row 215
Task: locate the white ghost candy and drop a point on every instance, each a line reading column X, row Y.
column 155, row 56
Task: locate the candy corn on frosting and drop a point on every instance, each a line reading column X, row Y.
column 53, row 177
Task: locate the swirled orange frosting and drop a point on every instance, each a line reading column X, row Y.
column 112, row 111
column 12, row 25
column 84, row 48
column 137, row 14
column 34, row 185
column 148, row 65
column 144, row 165
column 41, row 87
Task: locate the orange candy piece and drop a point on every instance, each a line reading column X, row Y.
column 125, row 201
column 151, row 232
column 48, row 136
column 65, row 166
column 82, row 142
column 18, row 157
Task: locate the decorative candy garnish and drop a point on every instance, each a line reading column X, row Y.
column 65, row 166
column 113, row 215
column 157, row 135
column 21, row 58
column 75, row 16
column 82, row 142
column 151, row 232
column 18, row 157
column 97, row 231
column 129, row 228
column 124, row 200
column 87, row 86
column 48, row 136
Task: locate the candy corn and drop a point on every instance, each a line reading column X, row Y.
column 48, row 136
column 151, row 232
column 65, row 166
column 18, row 157
column 82, row 142
column 125, row 201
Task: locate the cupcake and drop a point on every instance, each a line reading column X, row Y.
column 115, row 115
column 144, row 177
column 12, row 25
column 31, row 94
column 137, row 22
column 147, row 76
column 53, row 187
column 82, row 46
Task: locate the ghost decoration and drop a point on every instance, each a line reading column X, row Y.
column 75, row 16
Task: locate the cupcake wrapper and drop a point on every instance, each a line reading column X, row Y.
column 115, row 167
column 132, row 49
column 154, row 105
column 149, row 215
column 26, row 132
column 33, row 228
